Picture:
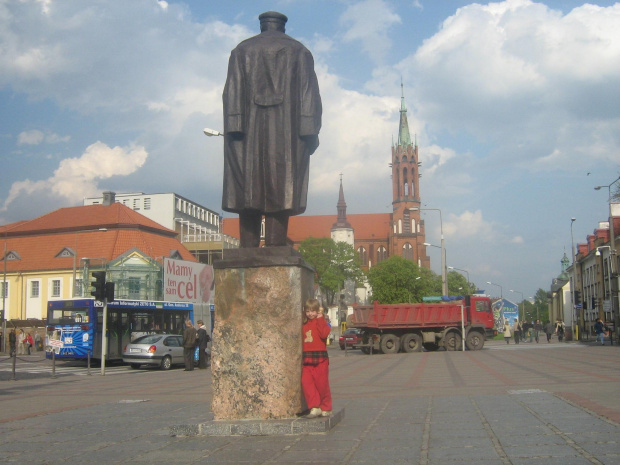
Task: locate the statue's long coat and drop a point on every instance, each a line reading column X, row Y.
column 272, row 118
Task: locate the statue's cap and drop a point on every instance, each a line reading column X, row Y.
column 273, row 16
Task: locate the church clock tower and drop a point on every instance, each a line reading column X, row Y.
column 407, row 235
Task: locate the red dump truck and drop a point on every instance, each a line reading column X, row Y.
column 409, row 327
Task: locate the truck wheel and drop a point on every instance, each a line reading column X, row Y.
column 452, row 341
column 366, row 350
column 411, row 342
column 389, row 344
column 474, row 341
column 430, row 346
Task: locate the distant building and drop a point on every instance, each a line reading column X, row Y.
column 51, row 257
column 199, row 228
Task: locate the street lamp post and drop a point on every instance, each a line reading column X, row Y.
column 464, row 271
column 610, row 271
column 501, row 289
column 522, row 301
column 573, row 287
column 444, row 278
column 612, row 243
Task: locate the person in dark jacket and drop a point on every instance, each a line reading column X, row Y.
column 538, row 328
column 202, row 341
column 272, row 118
column 599, row 329
column 189, row 345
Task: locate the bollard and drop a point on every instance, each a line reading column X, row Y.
column 14, row 360
column 88, row 352
column 53, row 364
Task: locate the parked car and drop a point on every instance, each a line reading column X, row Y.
column 163, row 350
column 353, row 338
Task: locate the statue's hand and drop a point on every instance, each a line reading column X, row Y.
column 312, row 143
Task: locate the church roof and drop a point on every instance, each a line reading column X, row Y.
column 367, row 226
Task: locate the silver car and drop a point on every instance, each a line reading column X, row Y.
column 163, row 350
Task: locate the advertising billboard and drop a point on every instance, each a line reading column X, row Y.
column 188, row 281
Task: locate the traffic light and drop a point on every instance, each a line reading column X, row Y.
column 99, row 287
column 577, row 297
column 109, row 291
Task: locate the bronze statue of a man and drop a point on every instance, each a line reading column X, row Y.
column 272, row 118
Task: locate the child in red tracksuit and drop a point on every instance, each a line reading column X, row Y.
column 315, row 371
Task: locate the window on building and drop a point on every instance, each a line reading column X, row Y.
column 406, row 221
column 363, row 255
column 147, row 203
column 35, row 288
column 407, row 251
column 136, row 204
column 381, row 254
column 79, row 283
column 55, row 287
column 4, row 289
column 133, row 285
column 405, row 183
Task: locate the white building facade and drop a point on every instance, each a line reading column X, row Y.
column 194, row 222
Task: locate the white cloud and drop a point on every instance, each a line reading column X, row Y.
column 368, row 22
column 36, row 137
column 32, row 137
column 76, row 178
column 469, row 224
column 523, row 78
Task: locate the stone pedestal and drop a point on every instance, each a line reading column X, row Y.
column 257, row 348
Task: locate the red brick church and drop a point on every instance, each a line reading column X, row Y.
column 375, row 236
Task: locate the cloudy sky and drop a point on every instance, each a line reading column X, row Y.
column 515, row 106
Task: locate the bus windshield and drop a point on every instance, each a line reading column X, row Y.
column 70, row 316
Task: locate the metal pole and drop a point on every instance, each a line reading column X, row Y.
column 104, row 337
column 574, row 284
column 462, row 327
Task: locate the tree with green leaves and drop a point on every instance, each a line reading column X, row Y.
column 397, row 280
column 334, row 263
column 458, row 285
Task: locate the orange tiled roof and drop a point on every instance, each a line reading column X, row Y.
column 116, row 215
column 39, row 241
column 366, row 226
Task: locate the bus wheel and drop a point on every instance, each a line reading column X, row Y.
column 135, row 366
column 166, row 363
column 452, row 341
column 474, row 341
column 389, row 344
column 411, row 342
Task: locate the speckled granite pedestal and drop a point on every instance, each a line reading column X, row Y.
column 257, row 349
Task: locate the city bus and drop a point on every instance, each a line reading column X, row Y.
column 74, row 326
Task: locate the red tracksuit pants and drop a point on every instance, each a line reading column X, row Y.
column 315, row 383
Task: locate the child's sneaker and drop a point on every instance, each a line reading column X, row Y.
column 326, row 413
column 314, row 412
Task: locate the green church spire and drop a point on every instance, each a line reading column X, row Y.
column 404, row 138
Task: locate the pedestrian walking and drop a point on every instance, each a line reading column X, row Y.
column 12, row 342
column 315, row 368
column 560, row 329
column 507, row 332
column 189, row 345
column 538, row 328
column 549, row 330
column 599, row 329
column 202, row 341
column 29, row 342
column 516, row 329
